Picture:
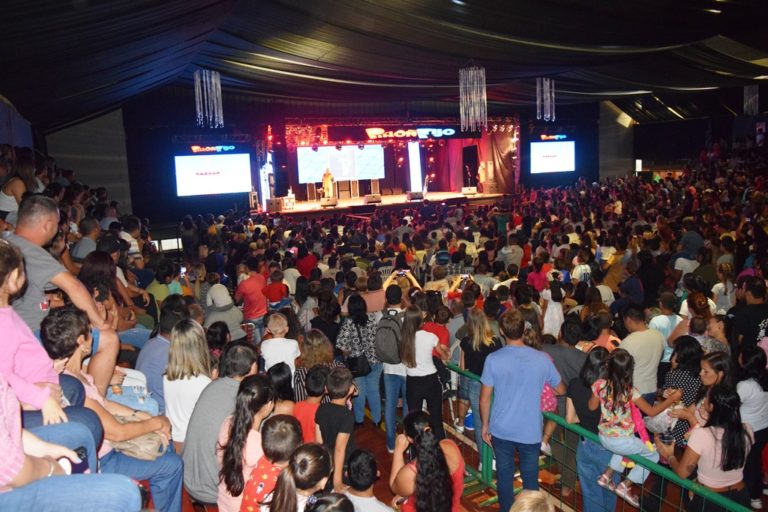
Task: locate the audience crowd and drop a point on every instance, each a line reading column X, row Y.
column 241, row 370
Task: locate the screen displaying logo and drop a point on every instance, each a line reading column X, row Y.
column 211, row 149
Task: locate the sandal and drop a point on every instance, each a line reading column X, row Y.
column 606, row 482
column 624, row 492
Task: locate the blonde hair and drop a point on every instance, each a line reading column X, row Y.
column 277, row 322
column 188, row 355
column 480, row 332
column 200, row 274
column 316, row 350
column 532, row 501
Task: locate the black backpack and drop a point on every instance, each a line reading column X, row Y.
column 387, row 341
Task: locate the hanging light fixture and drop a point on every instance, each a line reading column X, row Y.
column 545, row 99
column 473, row 102
column 208, row 104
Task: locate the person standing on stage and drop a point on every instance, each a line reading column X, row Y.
column 327, row 183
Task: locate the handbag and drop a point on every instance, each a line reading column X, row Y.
column 147, row 446
column 359, row 365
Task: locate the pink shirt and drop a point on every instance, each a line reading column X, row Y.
column 10, row 435
column 703, row 442
column 251, row 455
column 24, row 361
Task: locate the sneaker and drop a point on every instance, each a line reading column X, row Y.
column 756, row 504
column 390, row 450
column 545, row 448
column 458, row 426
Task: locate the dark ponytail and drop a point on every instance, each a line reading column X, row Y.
column 556, row 291
column 253, row 394
column 309, row 464
column 735, row 442
column 434, row 488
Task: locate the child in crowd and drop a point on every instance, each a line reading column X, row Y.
column 362, row 473
column 280, row 436
column 307, row 472
column 306, row 410
column 276, row 291
column 553, row 306
column 335, row 423
column 278, row 348
column 616, row 396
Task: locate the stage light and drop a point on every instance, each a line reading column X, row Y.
column 432, row 175
column 431, row 159
column 314, row 147
column 338, row 146
column 361, row 146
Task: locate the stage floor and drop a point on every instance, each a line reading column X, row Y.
column 303, row 207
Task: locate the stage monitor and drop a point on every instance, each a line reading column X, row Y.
column 208, row 174
column 347, row 163
column 549, row 157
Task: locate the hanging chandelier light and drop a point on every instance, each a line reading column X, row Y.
column 208, row 104
column 473, row 102
column 545, row 99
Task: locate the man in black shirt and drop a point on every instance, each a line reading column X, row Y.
column 750, row 324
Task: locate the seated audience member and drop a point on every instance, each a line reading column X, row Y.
column 240, row 446
column 306, row 410
column 441, row 492
column 362, row 473
column 33, row 477
column 165, row 271
column 282, row 381
column 216, row 402
column 307, row 473
column 67, row 336
column 280, row 437
column 532, row 501
column 278, row 348
column 276, row 291
column 153, row 358
column 187, row 375
column 335, row 424
column 37, row 224
column 221, row 308
column 90, row 233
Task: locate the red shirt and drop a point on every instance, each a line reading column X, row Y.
column 305, row 412
column 306, row 264
column 275, row 292
column 260, row 485
column 443, row 336
column 254, row 301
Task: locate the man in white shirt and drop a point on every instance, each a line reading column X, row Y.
column 646, row 346
column 279, row 349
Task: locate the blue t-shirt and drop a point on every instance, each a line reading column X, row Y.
column 517, row 375
column 152, row 362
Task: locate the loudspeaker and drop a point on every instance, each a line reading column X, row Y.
column 469, row 191
column 372, row 198
column 414, row 196
column 326, row 202
column 274, row 204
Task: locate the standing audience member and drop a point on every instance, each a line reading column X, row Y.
column 278, row 348
column 646, row 347
column 306, row 410
column 187, row 375
column 216, row 402
column 362, row 473
column 753, row 392
column 316, row 351
column 250, row 294
column 335, row 424
column 516, row 374
column 389, row 328
column 282, row 382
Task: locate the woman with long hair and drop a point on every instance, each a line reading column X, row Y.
column 718, row 450
column 434, row 480
column 188, row 373
column 552, row 307
column 475, row 348
column 306, row 301
column 280, row 375
column 239, row 439
column 22, row 181
column 307, row 472
column 591, row 457
column 317, row 350
column 724, row 291
column 686, row 366
column 422, row 382
column 753, row 392
column 593, row 303
column 716, row 368
column 356, row 339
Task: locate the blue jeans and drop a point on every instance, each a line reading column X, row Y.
column 258, row 328
column 135, row 399
column 73, row 390
column 505, row 468
column 394, row 388
column 591, row 461
column 84, row 493
column 368, row 388
column 621, row 446
column 136, row 337
column 72, row 435
column 164, row 474
column 473, row 390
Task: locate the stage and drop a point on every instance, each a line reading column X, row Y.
column 356, row 205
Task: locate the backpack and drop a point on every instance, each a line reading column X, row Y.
column 442, row 257
column 387, row 340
